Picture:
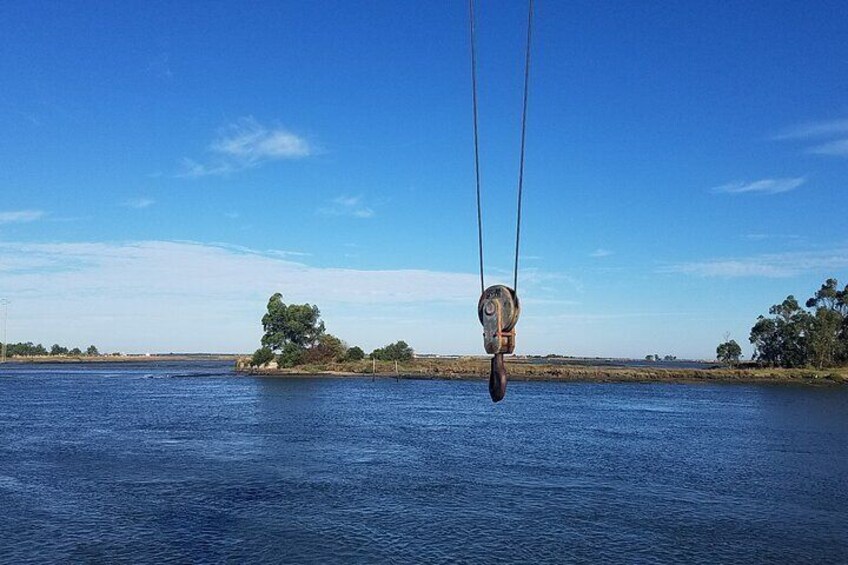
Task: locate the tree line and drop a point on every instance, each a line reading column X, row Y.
column 797, row 336
column 30, row 349
column 294, row 335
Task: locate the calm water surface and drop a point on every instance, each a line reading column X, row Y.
column 182, row 462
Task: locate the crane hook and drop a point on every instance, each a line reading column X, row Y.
column 498, row 310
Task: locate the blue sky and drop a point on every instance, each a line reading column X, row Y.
column 165, row 167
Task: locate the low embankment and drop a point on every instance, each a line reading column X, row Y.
column 519, row 369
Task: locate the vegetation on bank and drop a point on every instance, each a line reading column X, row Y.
column 295, row 336
column 792, row 336
column 477, row 368
column 30, row 349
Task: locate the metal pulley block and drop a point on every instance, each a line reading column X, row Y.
column 498, row 310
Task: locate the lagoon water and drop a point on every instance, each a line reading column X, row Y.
column 183, row 462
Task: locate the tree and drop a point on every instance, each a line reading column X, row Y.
column 92, row 351
column 729, row 352
column 783, row 339
column 57, row 349
column 291, row 355
column 766, row 341
column 355, row 354
column 829, row 328
column 398, row 351
column 328, row 348
column 76, row 352
column 296, row 324
column 261, row 356
column 793, row 325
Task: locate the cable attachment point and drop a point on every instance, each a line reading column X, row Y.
column 498, row 310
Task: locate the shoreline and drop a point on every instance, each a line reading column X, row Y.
column 474, row 369
column 477, row 369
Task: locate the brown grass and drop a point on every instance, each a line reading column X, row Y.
column 478, row 368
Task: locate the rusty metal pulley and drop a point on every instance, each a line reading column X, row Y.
column 498, row 310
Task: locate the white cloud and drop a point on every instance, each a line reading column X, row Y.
column 762, row 186
column 836, row 130
column 598, row 253
column 772, row 236
column 20, row 216
column 182, row 296
column 815, row 129
column 838, row 148
column 773, row 265
column 186, row 296
column 347, row 206
column 138, row 203
column 246, row 144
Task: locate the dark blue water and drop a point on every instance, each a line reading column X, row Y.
column 122, row 464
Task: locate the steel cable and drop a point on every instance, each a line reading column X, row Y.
column 477, row 140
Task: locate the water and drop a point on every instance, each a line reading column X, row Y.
column 122, row 464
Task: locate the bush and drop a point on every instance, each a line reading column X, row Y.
column 261, row 356
column 398, row 351
column 355, row 354
column 328, row 349
column 291, row 355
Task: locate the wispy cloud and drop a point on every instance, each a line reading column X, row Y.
column 218, row 290
column 20, row 216
column 815, row 129
column 189, row 296
column 762, row 186
column 772, row 265
column 138, row 203
column 836, row 130
column 347, row 206
column 245, row 144
column 598, row 253
column 838, row 148
column 769, row 236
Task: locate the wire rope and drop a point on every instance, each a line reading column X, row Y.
column 477, row 140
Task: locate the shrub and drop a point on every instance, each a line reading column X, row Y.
column 355, row 354
column 291, row 355
column 398, row 351
column 261, row 356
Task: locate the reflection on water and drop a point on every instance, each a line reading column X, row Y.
column 121, row 463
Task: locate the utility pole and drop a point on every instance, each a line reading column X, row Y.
column 5, row 303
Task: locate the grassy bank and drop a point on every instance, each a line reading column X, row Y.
column 478, row 368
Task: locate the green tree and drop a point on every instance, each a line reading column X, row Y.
column 261, row 356
column 729, row 352
column 766, row 341
column 398, row 351
column 327, row 349
column 92, row 351
column 76, row 352
column 783, row 339
column 829, row 327
column 291, row 355
column 57, row 349
column 355, row 353
column 296, row 324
